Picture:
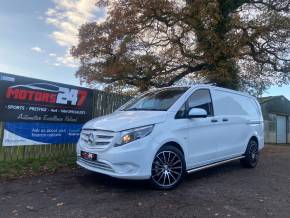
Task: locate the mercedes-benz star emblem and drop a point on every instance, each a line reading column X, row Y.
column 91, row 138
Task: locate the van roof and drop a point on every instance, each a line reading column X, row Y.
column 211, row 86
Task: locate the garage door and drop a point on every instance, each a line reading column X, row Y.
column 281, row 130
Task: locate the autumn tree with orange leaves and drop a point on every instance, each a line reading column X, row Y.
column 238, row 44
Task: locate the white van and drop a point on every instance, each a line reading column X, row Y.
column 164, row 134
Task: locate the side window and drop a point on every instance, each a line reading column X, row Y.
column 201, row 99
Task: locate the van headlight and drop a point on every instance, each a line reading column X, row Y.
column 134, row 134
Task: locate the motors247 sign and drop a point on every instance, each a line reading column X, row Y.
column 31, row 100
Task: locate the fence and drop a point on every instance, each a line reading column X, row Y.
column 104, row 103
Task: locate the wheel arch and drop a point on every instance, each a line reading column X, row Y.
column 174, row 144
column 255, row 138
column 251, row 137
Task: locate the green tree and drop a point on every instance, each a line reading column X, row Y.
column 238, row 44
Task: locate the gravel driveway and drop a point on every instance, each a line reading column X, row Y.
column 224, row 191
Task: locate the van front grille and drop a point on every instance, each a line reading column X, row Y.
column 97, row 139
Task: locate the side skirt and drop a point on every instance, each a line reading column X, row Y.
column 214, row 164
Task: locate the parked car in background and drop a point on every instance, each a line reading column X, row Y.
column 166, row 133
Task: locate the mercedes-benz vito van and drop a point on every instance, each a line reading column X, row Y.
column 166, row 133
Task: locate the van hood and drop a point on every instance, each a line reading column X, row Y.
column 122, row 120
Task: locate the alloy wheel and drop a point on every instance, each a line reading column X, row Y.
column 253, row 153
column 167, row 169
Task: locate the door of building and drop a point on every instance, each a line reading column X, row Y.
column 281, row 129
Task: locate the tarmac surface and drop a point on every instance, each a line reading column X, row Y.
column 224, row 191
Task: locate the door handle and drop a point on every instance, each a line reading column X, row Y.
column 214, row 120
column 225, row 119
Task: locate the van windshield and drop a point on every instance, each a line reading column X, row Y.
column 160, row 100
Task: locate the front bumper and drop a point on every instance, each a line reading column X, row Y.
column 131, row 161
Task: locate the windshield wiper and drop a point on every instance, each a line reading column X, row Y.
column 144, row 109
column 132, row 109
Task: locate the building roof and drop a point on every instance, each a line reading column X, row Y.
column 275, row 105
column 263, row 100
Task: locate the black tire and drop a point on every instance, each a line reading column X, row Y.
column 251, row 156
column 168, row 168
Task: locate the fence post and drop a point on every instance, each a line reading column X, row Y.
column 2, row 157
column 1, row 132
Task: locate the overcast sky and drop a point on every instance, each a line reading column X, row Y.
column 36, row 35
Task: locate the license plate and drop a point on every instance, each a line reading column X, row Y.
column 88, row 156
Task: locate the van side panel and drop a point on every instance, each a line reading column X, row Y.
column 239, row 118
column 227, row 103
column 260, row 127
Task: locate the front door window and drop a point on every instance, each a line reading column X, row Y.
column 201, row 99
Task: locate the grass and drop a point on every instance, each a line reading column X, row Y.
column 23, row 168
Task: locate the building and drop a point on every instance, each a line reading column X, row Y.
column 276, row 112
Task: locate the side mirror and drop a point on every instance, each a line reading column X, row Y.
column 197, row 113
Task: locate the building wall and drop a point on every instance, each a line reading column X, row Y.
column 277, row 106
column 288, row 140
column 270, row 129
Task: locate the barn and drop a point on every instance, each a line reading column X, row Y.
column 276, row 112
